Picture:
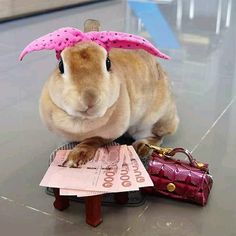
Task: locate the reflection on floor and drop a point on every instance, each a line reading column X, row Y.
column 201, row 41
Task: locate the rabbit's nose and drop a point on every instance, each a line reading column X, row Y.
column 90, row 97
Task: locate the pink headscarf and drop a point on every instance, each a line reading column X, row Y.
column 67, row 37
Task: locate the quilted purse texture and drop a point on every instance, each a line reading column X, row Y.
column 185, row 180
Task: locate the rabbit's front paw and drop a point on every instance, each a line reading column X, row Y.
column 141, row 148
column 80, row 155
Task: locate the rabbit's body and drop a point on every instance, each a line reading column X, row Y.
column 88, row 101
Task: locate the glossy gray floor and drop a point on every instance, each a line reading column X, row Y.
column 203, row 74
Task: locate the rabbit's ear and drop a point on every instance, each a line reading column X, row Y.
column 91, row 25
column 127, row 41
column 57, row 40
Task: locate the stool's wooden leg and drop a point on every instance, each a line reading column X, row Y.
column 61, row 202
column 121, row 198
column 93, row 210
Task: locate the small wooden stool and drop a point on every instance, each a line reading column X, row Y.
column 93, row 208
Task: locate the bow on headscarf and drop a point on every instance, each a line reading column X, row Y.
column 67, row 37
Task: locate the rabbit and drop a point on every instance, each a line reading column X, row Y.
column 101, row 90
column 94, row 99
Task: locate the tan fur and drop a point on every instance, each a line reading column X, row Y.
column 133, row 97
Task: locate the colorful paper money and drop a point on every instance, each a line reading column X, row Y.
column 113, row 169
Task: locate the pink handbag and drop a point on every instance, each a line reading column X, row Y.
column 189, row 181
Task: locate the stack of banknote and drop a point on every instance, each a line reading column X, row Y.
column 115, row 168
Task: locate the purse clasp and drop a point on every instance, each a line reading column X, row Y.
column 160, row 150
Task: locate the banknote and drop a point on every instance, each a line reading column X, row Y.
column 99, row 174
column 79, row 193
column 126, row 179
column 141, row 175
column 113, row 169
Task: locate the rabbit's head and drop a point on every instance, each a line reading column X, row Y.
column 84, row 84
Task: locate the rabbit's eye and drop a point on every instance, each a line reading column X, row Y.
column 61, row 66
column 108, row 64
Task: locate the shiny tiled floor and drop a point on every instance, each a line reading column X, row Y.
column 203, row 74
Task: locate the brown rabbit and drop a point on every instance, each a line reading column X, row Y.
column 94, row 99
